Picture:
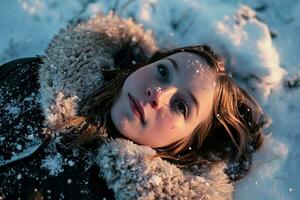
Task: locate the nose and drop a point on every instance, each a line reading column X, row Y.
column 158, row 96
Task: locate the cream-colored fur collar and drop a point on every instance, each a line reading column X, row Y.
column 71, row 71
column 131, row 176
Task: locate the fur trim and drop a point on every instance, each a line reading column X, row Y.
column 131, row 176
column 71, row 69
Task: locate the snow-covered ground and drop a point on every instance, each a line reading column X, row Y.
column 259, row 39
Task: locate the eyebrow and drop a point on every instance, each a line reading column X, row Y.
column 175, row 65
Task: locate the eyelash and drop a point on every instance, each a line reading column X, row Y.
column 165, row 76
column 177, row 109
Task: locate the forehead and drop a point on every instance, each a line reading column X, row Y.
column 195, row 76
column 192, row 69
column 188, row 58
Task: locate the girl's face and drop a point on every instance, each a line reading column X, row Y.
column 164, row 101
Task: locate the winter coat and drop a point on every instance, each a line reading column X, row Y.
column 39, row 92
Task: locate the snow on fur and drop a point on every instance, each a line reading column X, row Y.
column 123, row 163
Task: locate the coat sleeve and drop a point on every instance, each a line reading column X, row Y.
column 21, row 119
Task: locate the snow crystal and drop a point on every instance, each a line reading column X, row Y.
column 71, row 163
column 156, row 180
column 19, row 176
column 53, row 163
column 158, row 90
column 2, row 139
column 69, row 181
column 19, row 147
column 12, row 109
column 30, row 137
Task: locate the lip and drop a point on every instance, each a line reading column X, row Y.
column 137, row 106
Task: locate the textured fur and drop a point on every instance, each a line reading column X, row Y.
column 123, row 163
column 72, row 71
column 73, row 61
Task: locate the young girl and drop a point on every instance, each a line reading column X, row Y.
column 89, row 92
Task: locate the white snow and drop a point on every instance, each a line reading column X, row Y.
column 54, row 164
column 12, row 109
column 239, row 29
column 19, row 176
column 69, row 181
column 71, row 163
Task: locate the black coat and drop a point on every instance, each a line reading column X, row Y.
column 21, row 125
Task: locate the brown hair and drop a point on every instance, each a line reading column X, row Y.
column 232, row 132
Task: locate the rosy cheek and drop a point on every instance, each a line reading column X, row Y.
column 125, row 127
column 167, row 122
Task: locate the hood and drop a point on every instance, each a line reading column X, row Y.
column 72, row 64
column 71, row 71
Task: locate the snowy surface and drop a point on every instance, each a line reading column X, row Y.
column 259, row 39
